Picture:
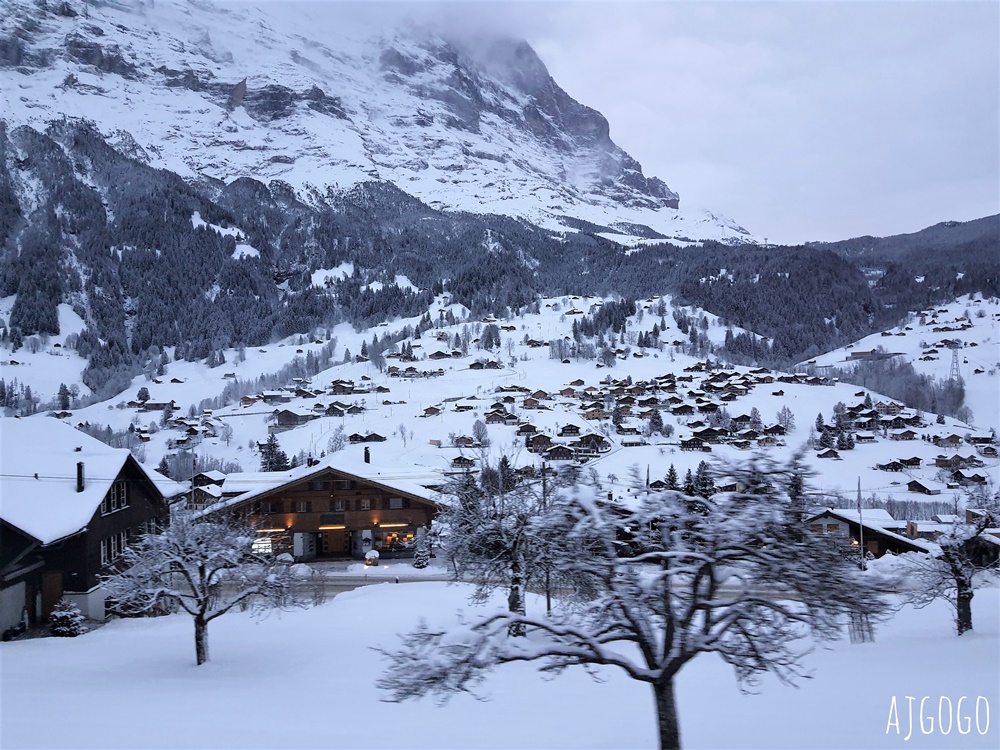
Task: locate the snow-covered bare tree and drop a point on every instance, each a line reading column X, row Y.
column 786, row 418
column 492, row 538
column 967, row 559
column 481, row 433
column 736, row 574
column 337, row 441
column 207, row 567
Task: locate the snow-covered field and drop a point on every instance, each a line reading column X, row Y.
column 304, row 679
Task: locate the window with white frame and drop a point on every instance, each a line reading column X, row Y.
column 116, row 499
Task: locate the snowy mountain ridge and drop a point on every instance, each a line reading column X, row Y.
column 287, row 92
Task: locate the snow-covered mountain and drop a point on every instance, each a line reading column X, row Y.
column 293, row 92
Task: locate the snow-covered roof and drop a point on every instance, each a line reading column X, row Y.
column 872, row 516
column 389, row 476
column 877, row 523
column 38, row 459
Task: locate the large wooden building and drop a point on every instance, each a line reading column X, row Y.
column 337, row 507
column 69, row 505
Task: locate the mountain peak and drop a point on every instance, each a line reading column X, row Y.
column 218, row 92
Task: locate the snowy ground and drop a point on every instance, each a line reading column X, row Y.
column 304, row 679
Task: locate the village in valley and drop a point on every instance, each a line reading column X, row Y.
column 401, row 419
column 347, row 468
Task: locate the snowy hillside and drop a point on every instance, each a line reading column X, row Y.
column 969, row 326
column 426, row 414
column 292, row 92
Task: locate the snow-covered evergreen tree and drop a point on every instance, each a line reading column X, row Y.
column 66, row 620
column 422, row 549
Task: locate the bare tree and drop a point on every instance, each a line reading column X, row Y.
column 206, row 567
column 736, row 574
column 492, row 537
column 786, row 419
column 337, row 441
column 967, row 558
column 481, row 433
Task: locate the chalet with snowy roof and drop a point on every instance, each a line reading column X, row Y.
column 70, row 505
column 924, row 487
column 888, row 407
column 276, row 397
column 595, row 442
column 205, row 478
column 965, row 479
column 948, row 441
column 289, row 418
column 882, row 533
column 695, row 444
column 462, row 462
column 538, row 443
column 340, row 506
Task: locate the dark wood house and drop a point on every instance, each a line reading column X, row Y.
column 71, row 505
column 336, row 508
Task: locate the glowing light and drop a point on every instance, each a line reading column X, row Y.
column 394, row 525
column 332, row 527
column 269, row 531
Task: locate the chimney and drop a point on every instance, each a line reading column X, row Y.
column 79, row 476
column 368, row 455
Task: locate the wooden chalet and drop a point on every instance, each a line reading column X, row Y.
column 60, row 532
column 337, row 508
column 695, row 444
column 924, row 488
column 882, row 533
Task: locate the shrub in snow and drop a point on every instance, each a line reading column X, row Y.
column 66, row 620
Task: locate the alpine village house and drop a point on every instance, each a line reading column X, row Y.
column 69, row 505
column 338, row 506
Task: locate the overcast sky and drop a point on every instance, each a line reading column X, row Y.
column 801, row 120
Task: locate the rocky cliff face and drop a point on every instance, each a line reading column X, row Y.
column 215, row 92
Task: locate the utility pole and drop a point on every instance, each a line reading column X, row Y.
column 545, row 507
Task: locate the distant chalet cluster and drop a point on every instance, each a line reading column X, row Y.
column 931, row 349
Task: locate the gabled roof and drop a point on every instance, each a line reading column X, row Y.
column 387, row 476
column 38, row 459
